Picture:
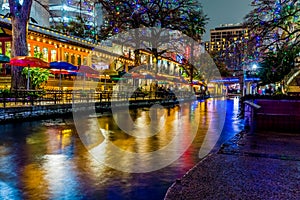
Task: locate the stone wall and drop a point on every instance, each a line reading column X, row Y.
column 278, row 115
column 38, row 112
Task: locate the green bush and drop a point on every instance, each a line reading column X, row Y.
column 5, row 92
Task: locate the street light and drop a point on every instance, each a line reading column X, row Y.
column 248, row 71
column 254, row 67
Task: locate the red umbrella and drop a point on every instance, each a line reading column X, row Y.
column 27, row 61
column 59, row 71
column 92, row 75
column 87, row 70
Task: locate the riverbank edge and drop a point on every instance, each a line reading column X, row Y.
column 267, row 160
column 38, row 112
column 176, row 186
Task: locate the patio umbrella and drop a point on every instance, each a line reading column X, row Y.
column 59, row 71
column 148, row 76
column 4, row 59
column 62, row 66
column 88, row 72
column 28, row 61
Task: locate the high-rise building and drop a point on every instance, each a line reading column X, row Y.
column 90, row 11
column 225, row 35
column 48, row 12
column 39, row 11
column 206, row 46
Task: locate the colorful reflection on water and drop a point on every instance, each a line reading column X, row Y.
column 47, row 160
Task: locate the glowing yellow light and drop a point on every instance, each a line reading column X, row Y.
column 66, row 131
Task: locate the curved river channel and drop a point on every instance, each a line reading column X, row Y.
column 47, row 159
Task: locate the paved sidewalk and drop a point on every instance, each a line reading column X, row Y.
column 263, row 165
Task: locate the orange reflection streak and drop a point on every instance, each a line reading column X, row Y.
column 33, row 178
column 58, row 139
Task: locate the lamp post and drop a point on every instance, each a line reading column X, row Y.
column 251, row 69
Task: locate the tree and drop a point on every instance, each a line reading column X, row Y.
column 275, row 26
column 274, row 23
column 220, row 62
column 276, row 65
column 19, row 14
column 180, row 15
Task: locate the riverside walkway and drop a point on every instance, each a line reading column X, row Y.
column 261, row 162
column 258, row 165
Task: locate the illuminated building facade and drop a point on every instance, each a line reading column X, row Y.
column 39, row 11
column 66, row 10
column 225, row 35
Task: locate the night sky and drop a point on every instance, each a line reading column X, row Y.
column 224, row 12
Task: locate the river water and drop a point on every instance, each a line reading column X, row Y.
column 48, row 160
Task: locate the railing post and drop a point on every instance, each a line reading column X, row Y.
column 73, row 97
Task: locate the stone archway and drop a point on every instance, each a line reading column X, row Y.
column 292, row 82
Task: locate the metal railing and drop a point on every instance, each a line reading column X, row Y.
column 53, row 97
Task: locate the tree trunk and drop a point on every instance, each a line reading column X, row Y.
column 19, row 22
column 155, row 60
column 19, row 48
column 137, row 58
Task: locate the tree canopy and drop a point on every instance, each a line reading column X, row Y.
column 274, row 23
column 275, row 26
column 183, row 15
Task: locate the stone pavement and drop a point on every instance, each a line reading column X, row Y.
column 264, row 165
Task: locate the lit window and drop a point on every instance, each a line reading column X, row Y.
column 29, row 50
column 37, row 52
column 45, row 54
column 53, row 55
column 73, row 59
column 66, row 57
column 78, row 60
column 1, row 47
column 8, row 49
